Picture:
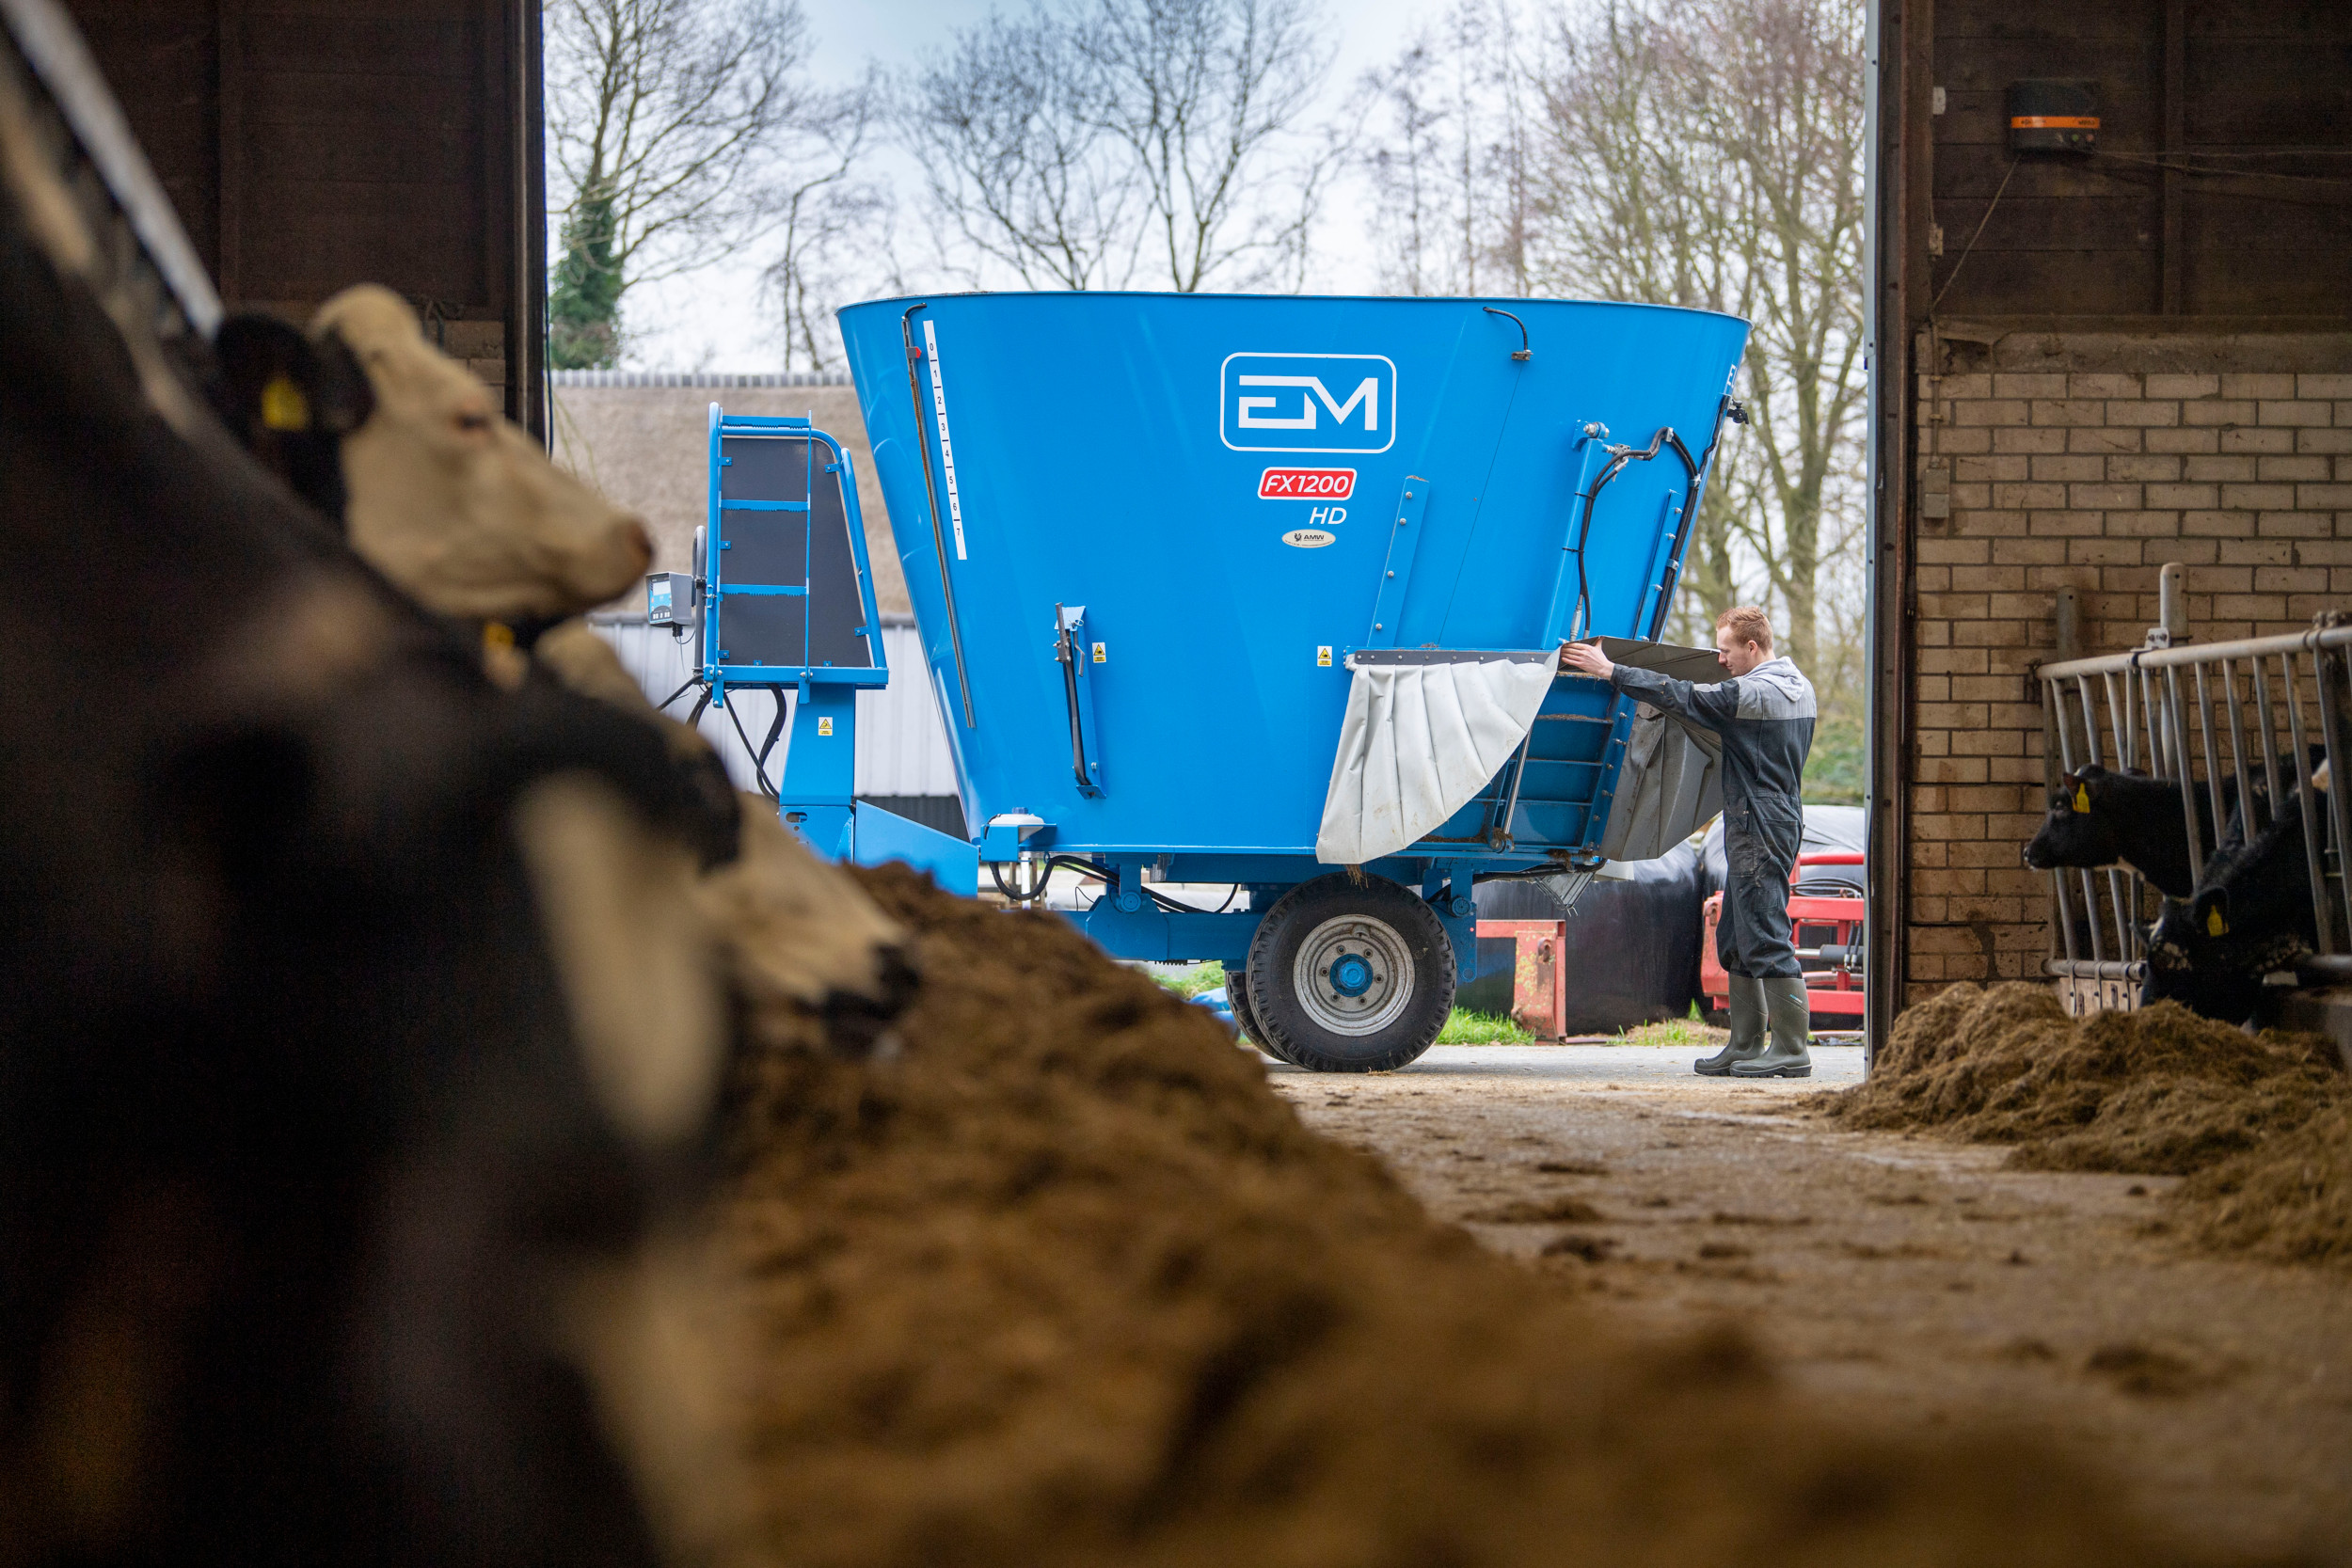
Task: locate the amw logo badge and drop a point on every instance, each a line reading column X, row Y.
column 1309, row 402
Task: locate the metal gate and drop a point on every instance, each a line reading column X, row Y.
column 2209, row 718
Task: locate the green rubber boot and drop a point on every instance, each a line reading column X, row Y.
column 1747, row 1030
column 1791, row 1015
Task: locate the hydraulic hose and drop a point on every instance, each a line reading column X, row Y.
column 1087, row 868
column 1699, row 470
column 1618, row 458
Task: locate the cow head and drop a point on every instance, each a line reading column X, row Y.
column 2196, row 959
column 451, row 501
column 2077, row 831
column 2183, row 965
column 2209, row 912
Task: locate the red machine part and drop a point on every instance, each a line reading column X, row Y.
column 1538, row 1004
column 1817, row 921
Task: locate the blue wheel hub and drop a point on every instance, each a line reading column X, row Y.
column 1351, row 975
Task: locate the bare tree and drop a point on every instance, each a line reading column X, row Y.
column 663, row 116
column 1779, row 93
column 1448, row 156
column 1406, row 164
column 1511, row 157
column 1205, row 95
column 1631, row 206
column 1017, row 167
column 831, row 227
column 1707, row 152
column 1069, row 146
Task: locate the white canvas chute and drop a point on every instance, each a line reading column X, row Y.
column 1422, row 737
column 1670, row 781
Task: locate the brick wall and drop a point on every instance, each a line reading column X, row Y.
column 477, row 343
column 2089, row 460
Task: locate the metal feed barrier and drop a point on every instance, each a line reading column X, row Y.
column 2210, row 716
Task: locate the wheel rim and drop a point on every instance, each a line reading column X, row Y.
column 1353, row 975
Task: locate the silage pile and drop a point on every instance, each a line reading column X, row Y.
column 2288, row 1201
column 2260, row 1123
column 1066, row 1283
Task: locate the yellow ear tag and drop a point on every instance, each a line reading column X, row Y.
column 496, row 634
column 2082, row 799
column 283, row 406
column 2215, row 924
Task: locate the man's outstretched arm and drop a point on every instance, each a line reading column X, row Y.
column 1712, row 706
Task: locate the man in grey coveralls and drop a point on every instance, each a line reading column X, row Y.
column 1765, row 715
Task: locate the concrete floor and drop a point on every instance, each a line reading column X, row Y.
column 1903, row 1281
column 1833, row 1066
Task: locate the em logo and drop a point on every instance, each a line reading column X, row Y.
column 1309, row 402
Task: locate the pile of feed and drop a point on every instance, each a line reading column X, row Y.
column 2288, row 1199
column 2261, row 1124
column 1065, row 1282
column 2157, row 1092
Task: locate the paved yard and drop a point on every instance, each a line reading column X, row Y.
column 1900, row 1279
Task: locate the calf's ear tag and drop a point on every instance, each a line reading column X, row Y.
column 2215, row 924
column 496, row 634
column 283, row 406
column 2082, row 799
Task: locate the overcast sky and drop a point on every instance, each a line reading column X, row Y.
column 711, row 319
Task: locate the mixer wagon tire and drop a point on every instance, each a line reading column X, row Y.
column 1348, row 976
column 1237, row 993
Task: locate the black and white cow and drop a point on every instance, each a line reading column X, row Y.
column 357, row 1033
column 503, row 538
column 407, row 449
column 2102, row 816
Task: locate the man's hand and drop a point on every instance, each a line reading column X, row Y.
column 1586, row 658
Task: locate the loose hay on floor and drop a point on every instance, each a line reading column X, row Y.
column 2159, row 1091
column 2289, row 1199
column 1067, row 1283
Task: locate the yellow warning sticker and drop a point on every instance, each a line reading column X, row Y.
column 1098, row 654
column 1323, row 656
column 824, row 726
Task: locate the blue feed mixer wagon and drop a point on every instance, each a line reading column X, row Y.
column 1264, row 590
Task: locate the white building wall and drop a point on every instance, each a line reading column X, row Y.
column 901, row 741
column 902, row 744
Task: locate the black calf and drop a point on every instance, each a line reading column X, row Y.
column 2100, row 816
column 2250, row 915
